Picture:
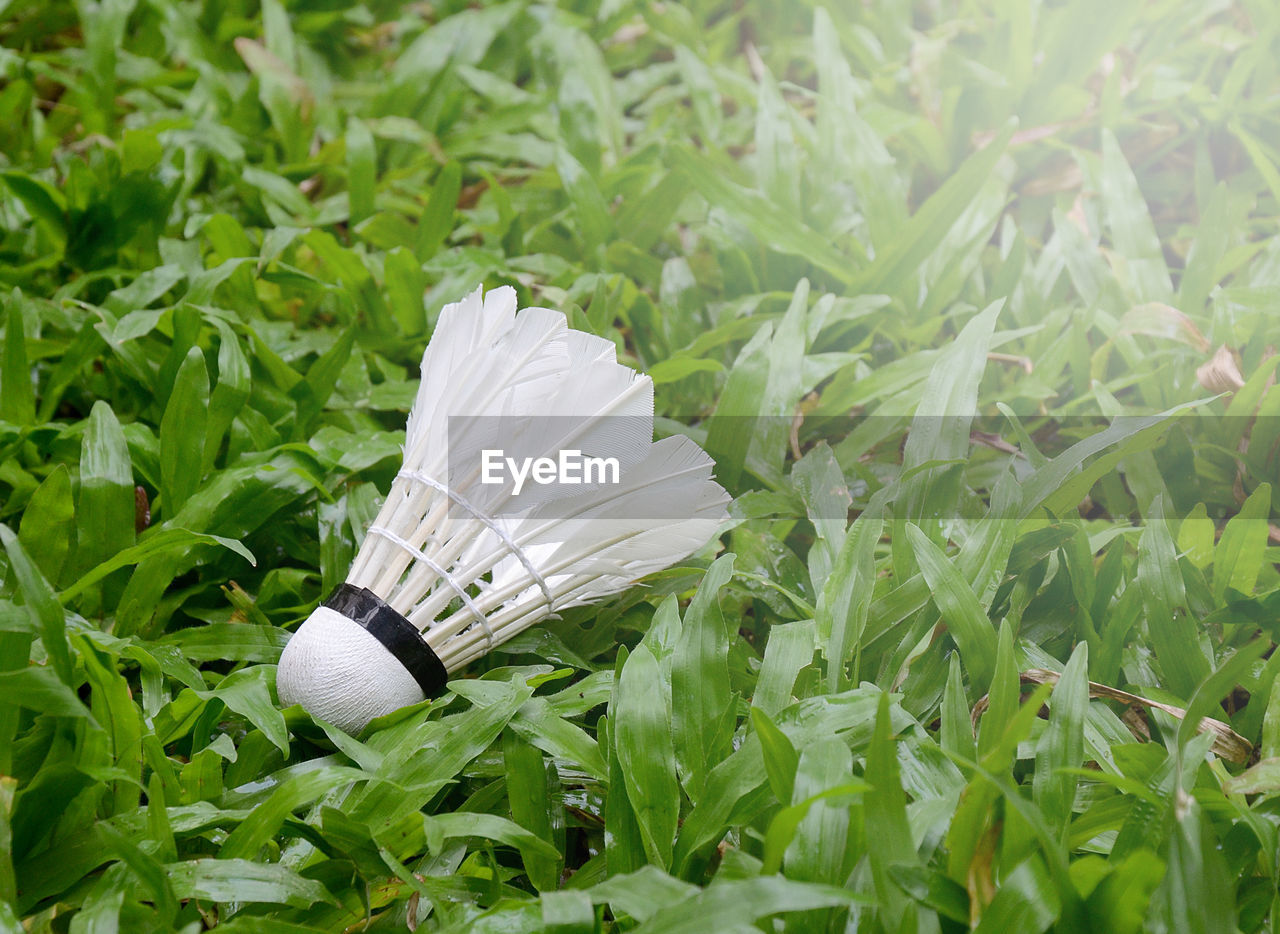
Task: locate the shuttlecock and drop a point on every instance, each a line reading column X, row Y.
column 531, row 483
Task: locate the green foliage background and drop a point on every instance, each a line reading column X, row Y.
column 1013, row 235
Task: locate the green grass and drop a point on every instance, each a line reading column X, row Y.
column 936, row 284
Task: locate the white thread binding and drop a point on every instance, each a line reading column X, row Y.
column 492, row 526
column 420, row 555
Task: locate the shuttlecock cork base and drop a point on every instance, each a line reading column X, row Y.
column 355, row 659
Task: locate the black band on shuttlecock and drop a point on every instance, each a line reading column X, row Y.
column 400, row 637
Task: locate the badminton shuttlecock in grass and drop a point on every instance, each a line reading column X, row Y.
column 467, row 551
